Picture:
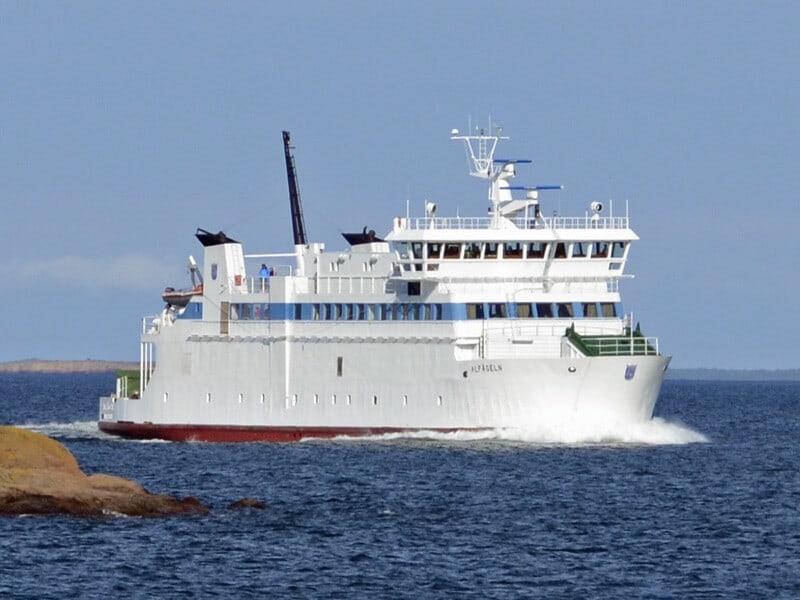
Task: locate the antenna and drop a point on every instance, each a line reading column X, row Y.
column 298, row 223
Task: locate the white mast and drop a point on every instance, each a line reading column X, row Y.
column 480, row 158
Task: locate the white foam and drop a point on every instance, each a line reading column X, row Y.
column 76, row 429
column 81, row 430
column 656, row 432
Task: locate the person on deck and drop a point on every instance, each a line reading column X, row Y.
column 264, row 274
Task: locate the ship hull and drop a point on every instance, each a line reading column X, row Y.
column 478, row 395
column 243, row 433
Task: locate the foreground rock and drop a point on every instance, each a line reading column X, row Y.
column 40, row 476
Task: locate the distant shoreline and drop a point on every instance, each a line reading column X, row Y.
column 734, row 374
column 66, row 366
column 108, row 366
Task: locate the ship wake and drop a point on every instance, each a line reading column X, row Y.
column 656, row 432
column 75, row 431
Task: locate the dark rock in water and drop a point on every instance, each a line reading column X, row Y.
column 247, row 503
column 39, row 476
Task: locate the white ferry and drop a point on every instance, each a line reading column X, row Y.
column 444, row 324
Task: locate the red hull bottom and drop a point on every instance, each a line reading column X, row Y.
column 238, row 433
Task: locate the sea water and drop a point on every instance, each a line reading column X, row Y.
column 702, row 502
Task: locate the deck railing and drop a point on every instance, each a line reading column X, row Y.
column 585, row 222
column 623, row 345
column 633, row 344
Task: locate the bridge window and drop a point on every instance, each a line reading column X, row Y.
column 472, row 250
column 402, row 250
column 544, row 311
column 537, row 249
column 618, row 250
column 589, row 309
column 452, row 250
column 561, row 250
column 416, row 251
column 434, row 250
column 512, row 250
column 490, row 250
column 600, row 249
column 578, row 249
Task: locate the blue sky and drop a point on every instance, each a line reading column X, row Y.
column 124, row 126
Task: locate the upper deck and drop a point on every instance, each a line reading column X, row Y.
column 593, row 228
column 585, row 222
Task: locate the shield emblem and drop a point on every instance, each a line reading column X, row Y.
column 630, row 371
column 213, row 270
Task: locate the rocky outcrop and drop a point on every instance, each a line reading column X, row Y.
column 39, row 476
column 247, row 503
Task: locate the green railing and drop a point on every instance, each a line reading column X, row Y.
column 633, row 344
column 129, row 383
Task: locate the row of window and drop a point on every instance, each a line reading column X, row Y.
column 315, row 399
column 542, row 310
column 294, row 399
column 510, row 250
column 407, row 311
